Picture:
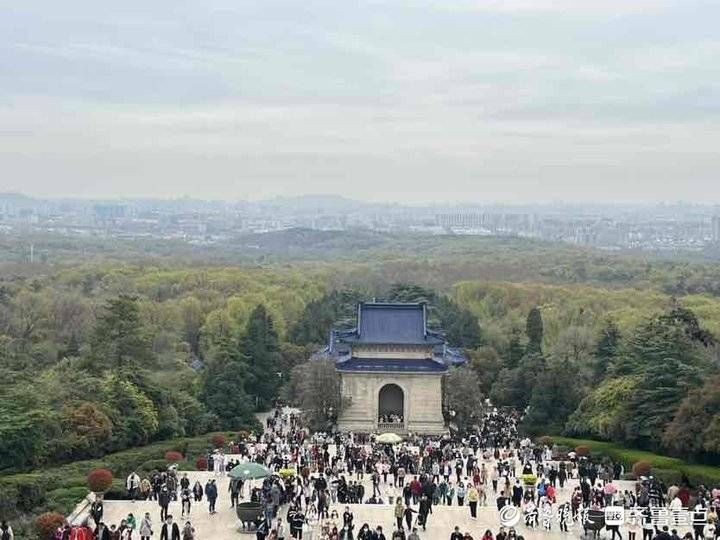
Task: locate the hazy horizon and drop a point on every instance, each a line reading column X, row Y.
column 417, row 102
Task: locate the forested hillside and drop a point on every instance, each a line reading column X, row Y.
column 106, row 355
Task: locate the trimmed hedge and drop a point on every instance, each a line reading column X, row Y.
column 661, row 465
column 24, row 496
column 61, row 488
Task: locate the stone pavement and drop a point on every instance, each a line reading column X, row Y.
column 224, row 525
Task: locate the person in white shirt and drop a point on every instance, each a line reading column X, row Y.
column 219, row 463
column 676, row 505
column 132, row 484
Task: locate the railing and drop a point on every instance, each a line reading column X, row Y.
column 391, row 426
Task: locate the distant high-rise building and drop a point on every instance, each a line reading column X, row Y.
column 716, row 229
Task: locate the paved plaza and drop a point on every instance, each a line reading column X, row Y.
column 224, row 525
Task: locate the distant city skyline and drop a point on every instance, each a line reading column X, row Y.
column 419, row 101
column 469, row 205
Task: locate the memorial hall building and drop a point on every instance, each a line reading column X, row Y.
column 392, row 366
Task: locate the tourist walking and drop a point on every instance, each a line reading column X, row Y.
column 170, row 530
column 211, row 493
column 132, row 484
column 146, row 530
column 399, row 513
column 185, row 498
column 473, row 497
column 164, row 502
column 198, row 491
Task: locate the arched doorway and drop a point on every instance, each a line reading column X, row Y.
column 391, row 406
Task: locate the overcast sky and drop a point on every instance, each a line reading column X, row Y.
column 417, row 101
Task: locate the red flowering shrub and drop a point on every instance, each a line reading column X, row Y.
column 201, row 463
column 582, row 450
column 641, row 468
column 173, row 456
column 99, row 480
column 218, row 440
column 46, row 524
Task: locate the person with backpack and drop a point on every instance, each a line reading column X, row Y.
column 145, row 529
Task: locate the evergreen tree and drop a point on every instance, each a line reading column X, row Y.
column 511, row 388
column 119, row 340
column 554, row 398
column 670, row 357
column 694, row 430
column 336, row 309
column 606, row 351
column 261, row 346
column 515, row 350
column 534, row 329
column 461, row 327
column 224, row 383
column 658, row 397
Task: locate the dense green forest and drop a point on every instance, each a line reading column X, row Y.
column 108, row 354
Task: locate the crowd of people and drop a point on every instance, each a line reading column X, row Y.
column 390, row 418
column 491, row 467
column 129, row 529
column 317, row 478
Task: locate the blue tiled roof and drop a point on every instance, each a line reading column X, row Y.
column 389, row 323
column 425, row 365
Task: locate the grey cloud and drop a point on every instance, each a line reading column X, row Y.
column 513, row 99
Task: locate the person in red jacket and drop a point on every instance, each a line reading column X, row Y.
column 550, row 492
column 415, row 489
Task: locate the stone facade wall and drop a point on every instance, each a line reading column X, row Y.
column 392, row 351
column 422, row 401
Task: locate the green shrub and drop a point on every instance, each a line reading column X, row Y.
column 702, row 474
column 55, row 487
column 697, row 474
column 28, row 491
column 668, row 476
column 152, row 465
column 117, row 490
column 64, row 500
